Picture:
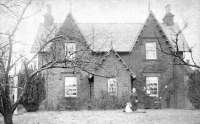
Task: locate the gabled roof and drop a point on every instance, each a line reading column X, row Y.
column 126, row 67
column 70, row 29
column 170, row 32
column 101, row 37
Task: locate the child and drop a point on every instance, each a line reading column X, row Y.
column 128, row 107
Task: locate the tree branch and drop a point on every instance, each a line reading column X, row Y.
column 13, row 33
column 174, row 53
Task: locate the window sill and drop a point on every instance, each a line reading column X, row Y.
column 151, row 60
column 153, row 96
column 70, row 97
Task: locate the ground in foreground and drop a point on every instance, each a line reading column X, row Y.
column 165, row 116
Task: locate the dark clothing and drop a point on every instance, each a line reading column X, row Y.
column 134, row 101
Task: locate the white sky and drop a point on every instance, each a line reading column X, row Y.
column 134, row 11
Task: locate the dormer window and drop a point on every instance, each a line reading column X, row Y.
column 151, row 51
column 70, row 50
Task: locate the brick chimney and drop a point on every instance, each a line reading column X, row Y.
column 169, row 17
column 48, row 18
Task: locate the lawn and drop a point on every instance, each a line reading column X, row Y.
column 165, row 116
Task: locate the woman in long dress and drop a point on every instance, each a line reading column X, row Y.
column 134, row 100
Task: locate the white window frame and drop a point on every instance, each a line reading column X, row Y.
column 112, row 90
column 70, row 53
column 151, row 51
column 71, row 86
column 150, row 85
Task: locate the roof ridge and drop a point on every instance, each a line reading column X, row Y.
column 108, row 23
column 176, row 24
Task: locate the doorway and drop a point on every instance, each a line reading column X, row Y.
column 91, row 87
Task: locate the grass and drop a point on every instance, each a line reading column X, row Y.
column 164, row 116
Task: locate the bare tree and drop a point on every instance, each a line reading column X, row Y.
column 82, row 62
column 175, row 49
column 7, row 60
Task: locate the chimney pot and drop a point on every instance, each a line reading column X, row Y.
column 169, row 17
column 48, row 18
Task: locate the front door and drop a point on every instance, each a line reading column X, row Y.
column 91, row 87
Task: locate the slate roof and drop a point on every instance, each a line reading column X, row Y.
column 119, row 36
column 103, row 36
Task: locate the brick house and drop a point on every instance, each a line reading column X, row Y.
column 129, row 56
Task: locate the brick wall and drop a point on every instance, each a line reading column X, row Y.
column 55, row 78
column 56, row 84
column 112, row 67
column 163, row 67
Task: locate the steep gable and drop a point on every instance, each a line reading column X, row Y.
column 153, row 29
column 70, row 29
column 121, row 36
column 151, row 26
column 137, row 57
column 112, row 62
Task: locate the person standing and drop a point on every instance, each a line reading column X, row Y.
column 134, row 100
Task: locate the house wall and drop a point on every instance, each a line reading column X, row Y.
column 56, row 88
column 163, row 67
column 55, row 78
column 182, row 87
column 112, row 67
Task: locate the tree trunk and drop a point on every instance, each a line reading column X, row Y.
column 8, row 119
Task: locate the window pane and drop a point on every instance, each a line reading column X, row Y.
column 151, row 50
column 70, row 49
column 112, row 86
column 70, row 86
column 152, row 86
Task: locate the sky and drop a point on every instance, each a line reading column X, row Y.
column 121, row 11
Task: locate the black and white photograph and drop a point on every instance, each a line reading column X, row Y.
column 99, row 62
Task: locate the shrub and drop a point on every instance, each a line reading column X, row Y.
column 106, row 101
column 35, row 91
column 70, row 104
column 194, row 89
